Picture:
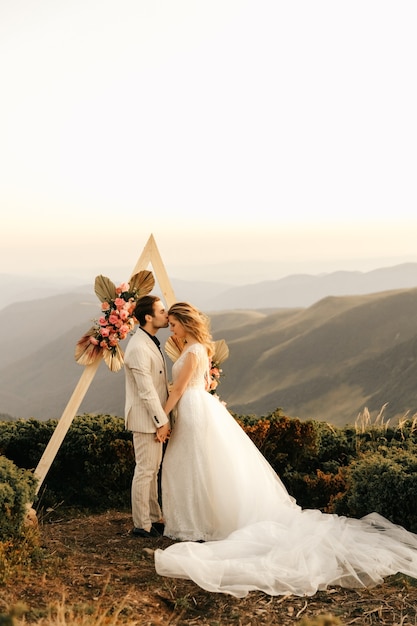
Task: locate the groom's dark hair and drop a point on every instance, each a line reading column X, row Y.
column 144, row 307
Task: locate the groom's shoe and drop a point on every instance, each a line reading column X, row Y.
column 159, row 527
column 145, row 534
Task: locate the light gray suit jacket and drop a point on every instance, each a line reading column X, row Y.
column 146, row 384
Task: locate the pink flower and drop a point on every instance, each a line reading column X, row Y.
column 114, row 324
column 113, row 340
column 119, row 302
column 122, row 288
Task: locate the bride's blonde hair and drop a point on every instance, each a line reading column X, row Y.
column 195, row 322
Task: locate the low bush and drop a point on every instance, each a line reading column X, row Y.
column 18, row 542
column 285, row 442
column 349, row 471
column 316, row 490
column 17, row 491
column 95, row 464
column 93, row 467
column 385, row 482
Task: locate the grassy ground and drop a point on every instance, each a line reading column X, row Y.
column 91, row 571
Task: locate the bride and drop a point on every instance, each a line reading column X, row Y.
column 237, row 527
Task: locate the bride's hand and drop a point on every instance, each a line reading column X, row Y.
column 162, row 433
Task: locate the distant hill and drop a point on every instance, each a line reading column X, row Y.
column 21, row 288
column 301, row 290
column 297, row 290
column 327, row 361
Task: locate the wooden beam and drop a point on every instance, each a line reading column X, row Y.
column 64, row 423
column 150, row 254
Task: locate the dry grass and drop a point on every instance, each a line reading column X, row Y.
column 92, row 572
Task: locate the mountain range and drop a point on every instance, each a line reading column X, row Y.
column 353, row 345
column 296, row 290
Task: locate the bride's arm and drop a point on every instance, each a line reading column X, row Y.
column 180, row 385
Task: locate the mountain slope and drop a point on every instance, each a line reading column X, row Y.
column 329, row 371
column 325, row 362
column 294, row 291
column 301, row 290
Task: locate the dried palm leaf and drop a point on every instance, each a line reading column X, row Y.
column 104, row 288
column 173, row 348
column 221, row 351
column 113, row 358
column 85, row 351
column 143, row 282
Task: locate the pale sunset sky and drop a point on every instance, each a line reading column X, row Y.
column 282, row 134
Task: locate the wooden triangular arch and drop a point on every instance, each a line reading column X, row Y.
column 150, row 255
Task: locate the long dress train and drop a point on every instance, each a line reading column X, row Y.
column 218, row 488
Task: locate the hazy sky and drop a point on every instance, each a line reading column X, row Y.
column 262, row 130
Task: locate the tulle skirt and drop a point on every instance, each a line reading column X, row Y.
column 304, row 553
column 217, row 487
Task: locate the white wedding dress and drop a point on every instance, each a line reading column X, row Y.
column 218, row 488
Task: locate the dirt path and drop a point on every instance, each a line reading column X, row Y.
column 93, row 564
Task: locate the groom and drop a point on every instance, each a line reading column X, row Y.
column 146, row 394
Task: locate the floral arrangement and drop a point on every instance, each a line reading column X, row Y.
column 116, row 322
column 221, row 353
column 215, row 374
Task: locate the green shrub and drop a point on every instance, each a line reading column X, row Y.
column 316, row 490
column 17, row 491
column 24, row 441
column 94, row 464
column 309, row 456
column 385, row 482
column 336, row 447
column 350, row 471
column 285, row 442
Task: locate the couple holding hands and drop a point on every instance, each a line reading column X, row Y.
column 234, row 526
